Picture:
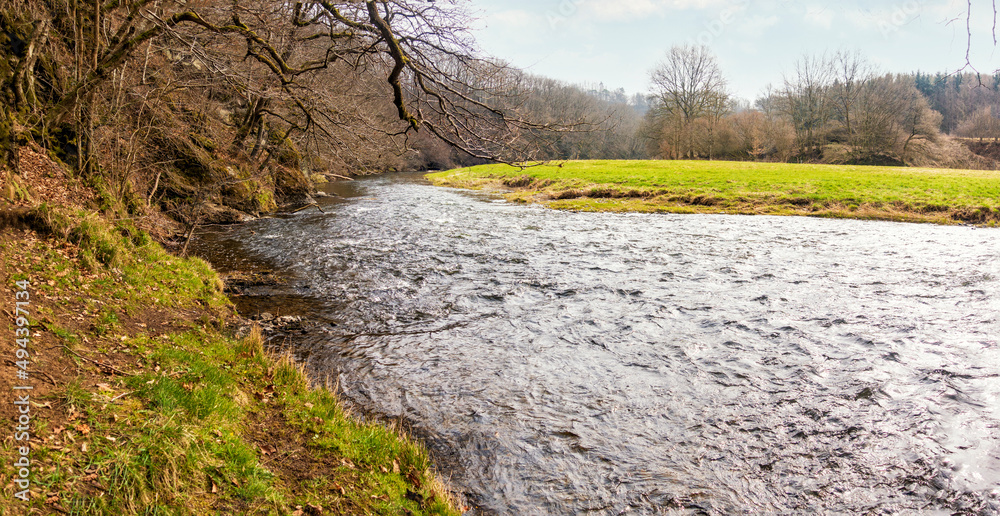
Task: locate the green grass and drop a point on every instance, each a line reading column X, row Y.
column 178, row 428
column 889, row 193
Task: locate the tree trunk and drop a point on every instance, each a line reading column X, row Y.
column 88, row 139
column 97, row 31
column 259, row 140
column 253, row 118
column 78, row 55
column 24, row 76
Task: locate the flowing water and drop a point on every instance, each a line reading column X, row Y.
column 595, row 363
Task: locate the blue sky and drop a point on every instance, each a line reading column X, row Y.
column 756, row 41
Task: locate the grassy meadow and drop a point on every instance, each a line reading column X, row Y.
column 939, row 196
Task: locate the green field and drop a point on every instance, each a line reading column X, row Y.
column 886, row 193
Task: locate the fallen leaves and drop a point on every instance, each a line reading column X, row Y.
column 47, row 180
column 307, row 510
column 266, row 394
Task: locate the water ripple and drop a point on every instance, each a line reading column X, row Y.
column 657, row 364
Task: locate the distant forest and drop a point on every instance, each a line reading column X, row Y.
column 828, row 109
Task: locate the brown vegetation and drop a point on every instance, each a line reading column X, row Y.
column 837, row 109
column 987, row 149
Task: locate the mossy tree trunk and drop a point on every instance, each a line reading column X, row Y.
column 252, row 120
column 25, row 97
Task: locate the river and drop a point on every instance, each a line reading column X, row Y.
column 597, row 363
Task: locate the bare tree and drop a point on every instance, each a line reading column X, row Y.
column 760, row 136
column 272, row 52
column 891, row 114
column 688, row 81
column 877, row 130
column 982, row 124
column 688, row 85
column 968, row 15
column 807, row 99
column 769, row 101
column 916, row 118
column 852, row 73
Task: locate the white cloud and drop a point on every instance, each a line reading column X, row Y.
column 636, row 9
column 864, row 19
column 622, row 10
column 757, row 25
column 820, row 15
column 694, row 4
column 885, row 20
column 514, row 17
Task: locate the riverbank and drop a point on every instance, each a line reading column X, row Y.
column 144, row 399
column 902, row 194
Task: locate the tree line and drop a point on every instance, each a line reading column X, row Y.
column 594, row 122
column 835, row 108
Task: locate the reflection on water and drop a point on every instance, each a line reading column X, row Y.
column 569, row 363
